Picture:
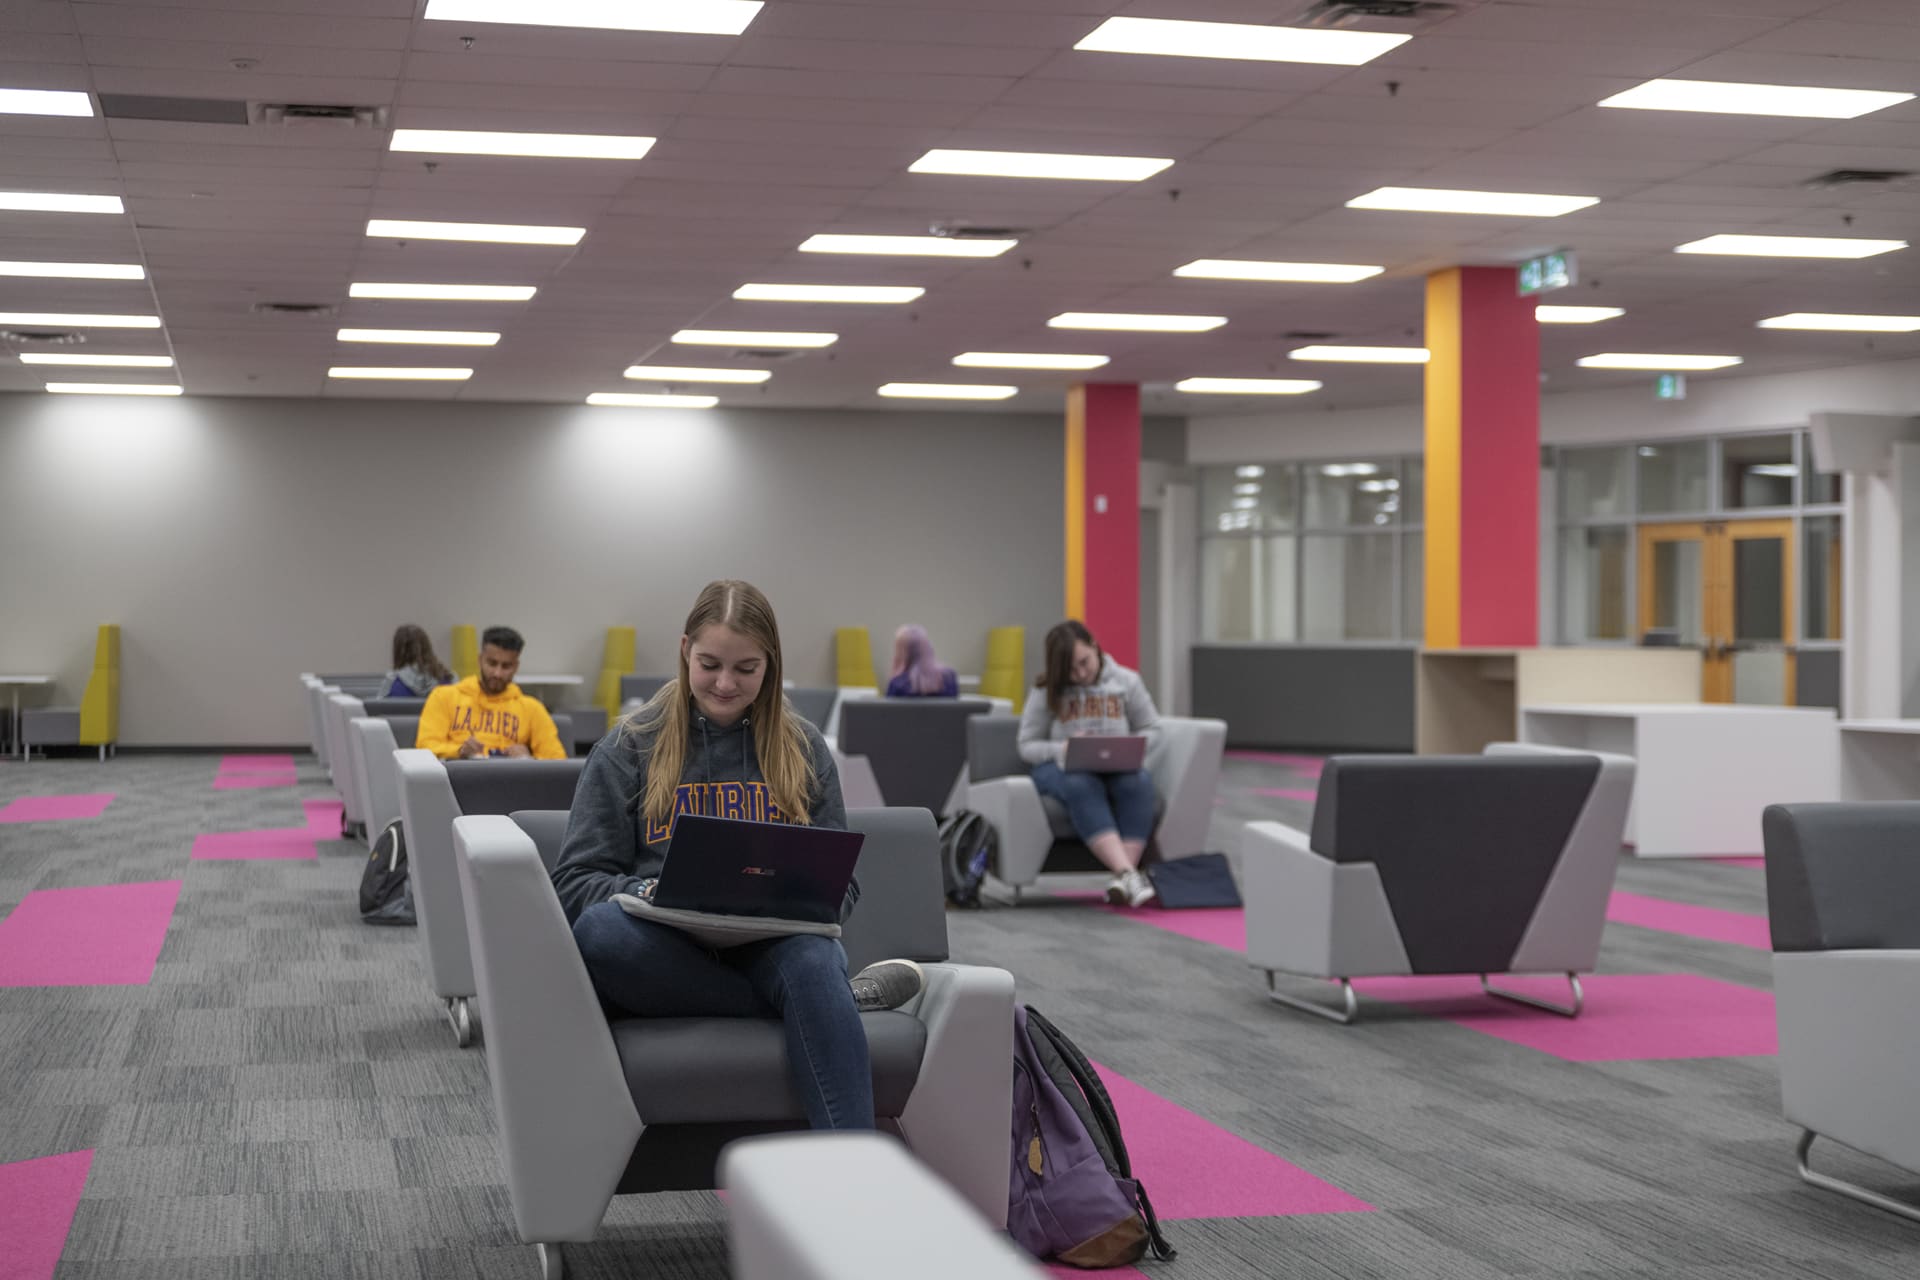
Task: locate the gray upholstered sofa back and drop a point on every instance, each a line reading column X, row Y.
column 917, row 746
column 1843, row 877
column 993, row 748
column 504, row 786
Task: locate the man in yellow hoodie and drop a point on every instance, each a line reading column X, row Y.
column 487, row 715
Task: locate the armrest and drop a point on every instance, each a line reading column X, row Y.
column 1848, row 1045
column 955, row 1119
column 428, row 809
column 1310, row 915
column 859, row 789
column 1185, row 765
column 1011, row 806
column 567, row 1122
column 852, row 1206
column 382, row 778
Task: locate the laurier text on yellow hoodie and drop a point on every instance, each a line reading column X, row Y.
column 456, row 712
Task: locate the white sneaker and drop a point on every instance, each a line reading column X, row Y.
column 1133, row 888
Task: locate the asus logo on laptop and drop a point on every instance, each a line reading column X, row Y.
column 758, row 871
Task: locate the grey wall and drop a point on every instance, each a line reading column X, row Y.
column 239, row 542
column 1344, row 697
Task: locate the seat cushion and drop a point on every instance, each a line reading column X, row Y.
column 51, row 726
column 713, row 1070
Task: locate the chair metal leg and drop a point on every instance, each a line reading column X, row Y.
column 1564, row 1010
column 460, row 1014
column 1851, row 1190
column 1343, row 1016
column 553, row 1262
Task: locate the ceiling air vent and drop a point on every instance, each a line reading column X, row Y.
column 972, row 231
column 42, row 337
column 317, row 115
column 1388, row 14
column 1308, row 335
column 297, row 310
column 1853, row 177
column 134, row 106
column 768, row 353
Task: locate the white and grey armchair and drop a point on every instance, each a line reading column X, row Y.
column 589, row 1109
column 1843, row 881
column 1490, row 864
column 1035, row 834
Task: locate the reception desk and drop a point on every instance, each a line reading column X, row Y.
column 1880, row 759
column 1466, row 698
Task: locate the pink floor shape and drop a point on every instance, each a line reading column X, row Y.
column 56, row 808
column 282, row 763
column 98, row 935
column 1311, row 765
column 1195, row 1169
column 1222, row 926
column 1709, row 923
column 252, row 781
column 265, row 844
column 1287, row 793
column 1628, row 1018
column 323, row 818
column 1753, row 864
column 37, row 1201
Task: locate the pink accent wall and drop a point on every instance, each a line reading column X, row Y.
column 1113, row 535
column 1499, row 460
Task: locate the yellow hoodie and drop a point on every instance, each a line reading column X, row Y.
column 456, row 712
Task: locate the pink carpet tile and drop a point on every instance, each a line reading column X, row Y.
column 252, row 781
column 266, row 844
column 1222, row 926
column 1752, row 864
column 1287, row 793
column 37, row 1202
column 1709, row 923
column 56, row 808
column 1195, row 1169
column 1309, row 765
column 323, row 818
column 1628, row 1017
column 281, row 763
column 97, row 935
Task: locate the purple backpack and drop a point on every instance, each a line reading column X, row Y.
column 1072, row 1195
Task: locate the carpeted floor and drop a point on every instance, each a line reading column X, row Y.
column 284, row 1099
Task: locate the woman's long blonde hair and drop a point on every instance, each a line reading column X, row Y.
column 779, row 741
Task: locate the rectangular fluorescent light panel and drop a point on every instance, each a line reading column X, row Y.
column 124, row 362
column 768, row 339
column 945, row 391
column 479, row 232
column 827, row 293
column 907, row 246
column 1284, row 272
column 399, row 374
column 58, row 202
column 1518, row 204
column 1730, row 98
column 44, row 102
column 422, row 337
column 62, row 319
column 1135, row 322
column 1842, row 323
column 637, row 400
column 1247, row 386
column 1038, row 164
column 557, row 146
column 693, row 17
column 1363, row 355
column 1791, row 246
column 76, row 270
column 680, row 373
column 444, row 292
column 1025, row 360
column 112, row 389
column 1575, row 315
column 1183, row 39
column 1655, row 362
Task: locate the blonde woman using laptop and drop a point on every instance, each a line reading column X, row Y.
column 721, row 741
column 1086, row 693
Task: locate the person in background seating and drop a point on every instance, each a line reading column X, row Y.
column 722, row 740
column 487, row 715
column 1086, row 692
column 416, row 672
column 916, row 673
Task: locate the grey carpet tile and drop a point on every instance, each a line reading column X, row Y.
column 284, row 1098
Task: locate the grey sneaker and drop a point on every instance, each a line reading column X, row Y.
column 1139, row 889
column 886, row 984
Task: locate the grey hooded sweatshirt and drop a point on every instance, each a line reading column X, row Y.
column 1117, row 702
column 610, row 846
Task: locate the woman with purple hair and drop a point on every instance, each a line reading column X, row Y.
column 916, row 673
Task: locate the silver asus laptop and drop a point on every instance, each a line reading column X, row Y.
column 1097, row 753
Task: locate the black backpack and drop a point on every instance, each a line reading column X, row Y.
column 968, row 845
column 386, row 897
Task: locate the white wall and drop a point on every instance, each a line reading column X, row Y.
column 239, row 542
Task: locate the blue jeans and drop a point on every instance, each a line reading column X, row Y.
column 648, row 970
column 1101, row 802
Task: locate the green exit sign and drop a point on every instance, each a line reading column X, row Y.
column 1670, row 386
column 1549, row 271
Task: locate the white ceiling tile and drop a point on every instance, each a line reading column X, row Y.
column 273, row 60
column 239, row 28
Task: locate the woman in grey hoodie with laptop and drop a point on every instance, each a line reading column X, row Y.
column 1083, row 692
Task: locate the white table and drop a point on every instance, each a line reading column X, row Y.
column 16, row 741
column 1704, row 771
column 1880, row 759
column 549, row 682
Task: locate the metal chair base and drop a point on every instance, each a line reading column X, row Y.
column 1346, row 1014
column 1564, row 1010
column 1851, row 1190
